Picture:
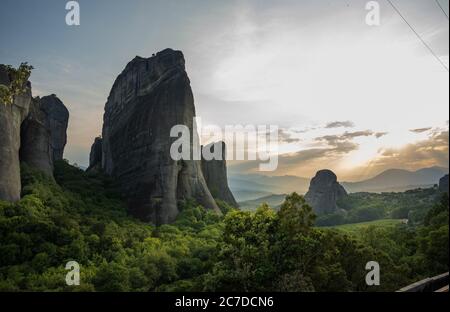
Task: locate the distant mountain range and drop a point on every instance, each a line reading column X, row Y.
column 273, row 201
column 398, row 180
column 254, row 186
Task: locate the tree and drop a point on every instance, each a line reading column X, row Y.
column 296, row 216
column 18, row 84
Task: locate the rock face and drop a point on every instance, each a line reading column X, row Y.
column 215, row 173
column 43, row 133
column 148, row 98
column 324, row 192
column 443, row 184
column 35, row 147
column 95, row 157
column 57, row 120
column 11, row 118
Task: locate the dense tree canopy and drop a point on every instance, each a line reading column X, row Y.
column 81, row 217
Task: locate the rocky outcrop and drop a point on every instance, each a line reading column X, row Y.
column 443, row 184
column 11, row 118
column 57, row 120
column 324, row 192
column 95, row 157
column 215, row 174
column 147, row 99
column 44, row 133
column 35, row 147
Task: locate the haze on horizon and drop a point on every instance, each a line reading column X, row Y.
column 350, row 97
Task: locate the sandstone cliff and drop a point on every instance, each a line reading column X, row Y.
column 11, row 118
column 149, row 97
column 215, row 173
column 324, row 192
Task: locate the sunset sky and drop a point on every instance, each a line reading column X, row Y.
column 350, row 97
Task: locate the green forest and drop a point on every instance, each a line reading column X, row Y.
column 81, row 217
column 412, row 205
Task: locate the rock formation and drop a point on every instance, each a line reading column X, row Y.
column 32, row 131
column 43, row 133
column 215, row 174
column 443, row 184
column 11, row 118
column 57, row 120
column 324, row 192
column 35, row 147
column 95, row 157
column 147, row 99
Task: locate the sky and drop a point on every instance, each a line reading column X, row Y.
column 347, row 96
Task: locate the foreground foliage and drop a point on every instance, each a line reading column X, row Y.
column 81, row 217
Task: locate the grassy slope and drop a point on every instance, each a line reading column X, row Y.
column 272, row 200
column 354, row 228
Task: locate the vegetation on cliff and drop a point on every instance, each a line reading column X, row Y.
column 18, row 84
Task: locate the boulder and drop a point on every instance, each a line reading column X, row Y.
column 147, row 99
column 324, row 192
column 215, row 174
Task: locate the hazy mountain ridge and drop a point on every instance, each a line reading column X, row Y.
column 254, row 186
column 397, row 180
column 273, row 201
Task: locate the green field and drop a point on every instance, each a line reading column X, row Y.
column 357, row 227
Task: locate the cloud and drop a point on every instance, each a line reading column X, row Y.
column 420, row 130
column 351, row 135
column 303, row 162
column 432, row 151
column 286, row 136
column 330, row 149
column 345, row 137
column 340, row 124
column 380, row 134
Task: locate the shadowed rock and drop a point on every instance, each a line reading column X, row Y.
column 443, row 184
column 11, row 118
column 147, row 99
column 35, row 149
column 43, row 133
column 95, row 157
column 324, row 192
column 57, row 120
column 215, row 173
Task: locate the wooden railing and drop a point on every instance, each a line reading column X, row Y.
column 431, row 284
